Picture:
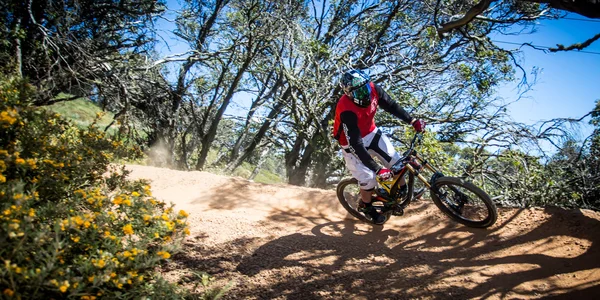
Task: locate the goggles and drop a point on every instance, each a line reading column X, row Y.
column 361, row 93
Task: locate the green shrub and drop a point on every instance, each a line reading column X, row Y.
column 72, row 226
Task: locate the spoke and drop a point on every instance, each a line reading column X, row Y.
column 463, row 203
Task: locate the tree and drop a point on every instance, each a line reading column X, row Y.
column 448, row 82
column 72, row 46
column 513, row 12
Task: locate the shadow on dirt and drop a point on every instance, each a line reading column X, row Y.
column 430, row 258
column 243, row 193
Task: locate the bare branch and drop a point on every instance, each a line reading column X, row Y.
column 467, row 18
column 578, row 46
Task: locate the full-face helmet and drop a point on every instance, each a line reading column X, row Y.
column 355, row 84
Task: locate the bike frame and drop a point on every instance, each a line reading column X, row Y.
column 404, row 165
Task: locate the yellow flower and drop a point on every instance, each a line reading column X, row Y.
column 2, row 178
column 135, row 194
column 78, row 220
column 8, row 292
column 75, row 239
column 186, row 231
column 118, row 200
column 128, row 229
column 100, row 263
column 63, row 288
column 31, row 163
column 183, row 213
column 91, row 279
column 163, row 254
column 20, row 161
column 170, row 225
column 8, row 116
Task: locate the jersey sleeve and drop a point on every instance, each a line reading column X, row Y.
column 391, row 106
column 349, row 124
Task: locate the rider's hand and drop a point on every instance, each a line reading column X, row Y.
column 384, row 174
column 418, row 125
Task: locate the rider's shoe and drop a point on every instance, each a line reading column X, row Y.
column 369, row 211
column 377, row 218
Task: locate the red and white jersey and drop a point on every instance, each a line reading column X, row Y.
column 353, row 122
column 365, row 115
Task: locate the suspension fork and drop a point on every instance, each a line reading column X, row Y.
column 428, row 166
column 424, row 164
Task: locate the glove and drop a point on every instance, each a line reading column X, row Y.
column 419, row 125
column 384, row 174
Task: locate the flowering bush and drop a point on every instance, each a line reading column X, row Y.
column 72, row 226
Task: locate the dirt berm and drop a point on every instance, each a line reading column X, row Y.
column 287, row 242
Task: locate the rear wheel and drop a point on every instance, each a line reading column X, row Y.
column 464, row 202
column 348, row 193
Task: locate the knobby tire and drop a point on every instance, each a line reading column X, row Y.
column 449, row 183
column 341, row 187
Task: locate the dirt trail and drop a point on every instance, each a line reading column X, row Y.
column 286, row 242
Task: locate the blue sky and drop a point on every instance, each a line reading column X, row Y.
column 569, row 82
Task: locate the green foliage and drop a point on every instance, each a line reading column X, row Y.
column 70, row 46
column 72, row 226
column 82, row 112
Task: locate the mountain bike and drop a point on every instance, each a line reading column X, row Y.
column 456, row 197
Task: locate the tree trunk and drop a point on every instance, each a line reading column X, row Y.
column 292, row 157
column 261, row 161
column 212, row 131
column 259, row 135
column 298, row 175
column 235, row 151
column 18, row 50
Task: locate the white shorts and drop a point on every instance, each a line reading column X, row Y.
column 378, row 145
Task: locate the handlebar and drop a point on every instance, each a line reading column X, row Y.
column 415, row 140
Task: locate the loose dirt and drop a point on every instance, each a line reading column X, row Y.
column 287, row 242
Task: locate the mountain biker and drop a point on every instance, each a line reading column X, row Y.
column 354, row 128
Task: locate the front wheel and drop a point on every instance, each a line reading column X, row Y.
column 463, row 202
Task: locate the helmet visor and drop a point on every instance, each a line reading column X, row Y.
column 361, row 93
